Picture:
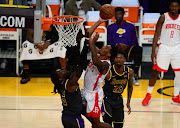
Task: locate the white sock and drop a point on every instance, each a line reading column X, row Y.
column 177, row 83
column 150, row 89
column 176, row 92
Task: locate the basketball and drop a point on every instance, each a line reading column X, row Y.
column 107, row 11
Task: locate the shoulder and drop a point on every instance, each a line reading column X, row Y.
column 130, row 24
column 131, row 72
column 111, row 25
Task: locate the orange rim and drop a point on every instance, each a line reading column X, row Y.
column 66, row 17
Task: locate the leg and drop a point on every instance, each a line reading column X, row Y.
column 135, row 53
column 97, row 124
column 69, row 122
column 175, row 98
column 118, row 125
column 106, row 111
column 152, row 82
column 153, row 78
column 118, row 113
column 26, row 73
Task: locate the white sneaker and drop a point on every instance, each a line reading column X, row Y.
column 136, row 81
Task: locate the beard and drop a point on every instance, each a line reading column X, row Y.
column 119, row 65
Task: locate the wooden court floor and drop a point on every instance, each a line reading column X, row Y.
column 32, row 105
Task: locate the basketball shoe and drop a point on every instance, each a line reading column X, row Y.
column 146, row 100
column 175, row 100
column 136, row 81
column 25, row 76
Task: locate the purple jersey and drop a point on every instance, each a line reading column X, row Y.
column 125, row 34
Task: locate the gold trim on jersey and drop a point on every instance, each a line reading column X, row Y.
column 78, row 122
column 117, row 122
column 118, row 73
column 110, row 75
column 128, row 73
column 66, row 84
column 130, row 52
column 105, row 108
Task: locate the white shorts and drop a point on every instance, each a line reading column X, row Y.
column 167, row 55
column 93, row 101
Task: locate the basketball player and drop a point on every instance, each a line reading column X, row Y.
column 168, row 30
column 118, row 77
column 97, row 69
column 69, row 90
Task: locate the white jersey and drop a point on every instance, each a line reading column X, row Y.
column 93, row 79
column 170, row 32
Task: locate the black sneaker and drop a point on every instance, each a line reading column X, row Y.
column 25, row 76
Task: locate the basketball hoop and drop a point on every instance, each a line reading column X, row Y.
column 67, row 26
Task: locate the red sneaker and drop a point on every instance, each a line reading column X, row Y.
column 175, row 100
column 146, row 100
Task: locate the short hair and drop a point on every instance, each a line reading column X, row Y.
column 123, row 53
column 119, row 9
column 178, row 1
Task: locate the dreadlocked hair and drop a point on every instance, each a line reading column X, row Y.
column 56, row 82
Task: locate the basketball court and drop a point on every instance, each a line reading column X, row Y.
column 33, row 105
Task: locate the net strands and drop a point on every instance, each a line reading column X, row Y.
column 68, row 33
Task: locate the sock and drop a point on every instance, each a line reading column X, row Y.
column 150, row 89
column 176, row 92
column 177, row 83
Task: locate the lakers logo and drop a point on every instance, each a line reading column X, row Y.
column 63, row 98
column 121, row 31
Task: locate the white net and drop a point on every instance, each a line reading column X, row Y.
column 68, row 33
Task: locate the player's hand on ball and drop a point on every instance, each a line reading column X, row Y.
column 103, row 20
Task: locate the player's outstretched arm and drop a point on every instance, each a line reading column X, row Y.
column 130, row 89
column 72, row 83
column 102, row 66
column 156, row 36
column 94, row 26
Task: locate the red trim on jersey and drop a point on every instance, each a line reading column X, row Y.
column 108, row 59
column 96, row 112
column 95, row 85
column 172, row 18
column 176, row 69
column 156, row 67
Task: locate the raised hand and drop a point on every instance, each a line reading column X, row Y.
column 94, row 39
